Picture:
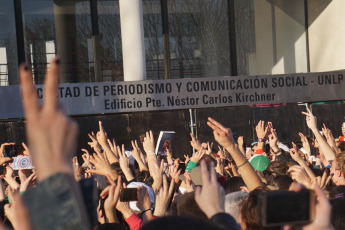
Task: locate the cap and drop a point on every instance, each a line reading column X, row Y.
column 259, row 162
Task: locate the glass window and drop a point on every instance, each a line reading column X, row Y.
column 199, row 38
column 58, row 27
column 109, row 51
column 8, row 45
column 153, row 39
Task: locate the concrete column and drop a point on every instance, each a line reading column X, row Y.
column 280, row 38
column 65, row 29
column 132, row 36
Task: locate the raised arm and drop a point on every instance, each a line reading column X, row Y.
column 103, row 141
column 51, row 136
column 324, row 147
column 224, row 137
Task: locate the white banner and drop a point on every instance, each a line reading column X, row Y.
column 123, row 97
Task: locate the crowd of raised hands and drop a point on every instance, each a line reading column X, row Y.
column 216, row 187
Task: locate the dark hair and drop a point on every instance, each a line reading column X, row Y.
column 283, row 182
column 142, row 176
column 277, row 167
column 337, row 192
column 179, row 223
column 338, row 214
column 116, row 166
column 233, row 184
column 249, row 212
column 186, row 206
column 317, row 172
column 341, row 146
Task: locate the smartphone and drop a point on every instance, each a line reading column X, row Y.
column 24, row 162
column 129, row 194
column 13, row 150
column 278, row 208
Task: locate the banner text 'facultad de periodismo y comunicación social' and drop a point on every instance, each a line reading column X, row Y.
column 150, row 95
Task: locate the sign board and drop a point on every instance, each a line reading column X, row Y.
column 150, row 95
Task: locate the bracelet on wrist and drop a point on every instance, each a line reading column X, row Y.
column 150, row 152
column 242, row 164
column 261, row 139
column 149, row 209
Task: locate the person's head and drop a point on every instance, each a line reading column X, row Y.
column 233, row 184
column 338, row 169
column 249, row 213
column 283, row 182
column 233, row 202
column 338, row 214
column 277, row 168
column 341, row 146
column 186, row 206
column 143, row 176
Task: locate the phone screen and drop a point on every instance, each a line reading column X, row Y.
column 283, row 207
column 129, row 194
column 13, row 150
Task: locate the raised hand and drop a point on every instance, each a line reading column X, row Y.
column 295, row 154
column 94, row 143
column 220, row 166
column 113, row 146
column 102, row 166
column 324, row 147
column 3, row 159
column 124, row 163
column 136, row 153
column 17, row 212
column 111, row 201
column 261, row 130
column 305, row 142
column 101, row 135
column 322, row 219
column 211, row 196
column 221, row 152
column 311, row 120
column 149, row 143
column 86, row 157
column 224, row 137
column 324, row 180
column 298, row 174
column 9, row 178
column 157, row 175
column 28, row 182
column 76, row 169
column 187, row 159
column 163, row 197
column 221, row 134
column 26, row 151
column 197, row 156
column 123, row 207
column 195, row 143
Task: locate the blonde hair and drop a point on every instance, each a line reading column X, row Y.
column 340, row 162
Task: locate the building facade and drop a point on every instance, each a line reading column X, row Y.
column 180, row 39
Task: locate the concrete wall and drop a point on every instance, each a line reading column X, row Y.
column 327, row 36
column 280, row 38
